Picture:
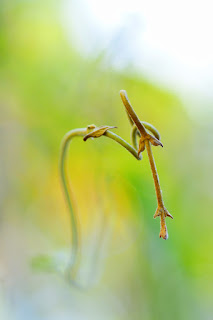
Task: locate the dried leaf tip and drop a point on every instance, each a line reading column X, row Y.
column 154, row 141
column 97, row 132
column 162, row 212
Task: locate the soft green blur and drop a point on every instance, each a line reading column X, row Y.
column 47, row 88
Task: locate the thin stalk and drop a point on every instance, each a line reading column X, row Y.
column 123, row 143
column 152, row 129
column 132, row 113
column 75, row 238
column 154, row 173
column 134, row 134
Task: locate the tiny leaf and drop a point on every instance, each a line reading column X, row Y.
column 98, row 132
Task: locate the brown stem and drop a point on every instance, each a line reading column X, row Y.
column 154, row 173
column 132, row 113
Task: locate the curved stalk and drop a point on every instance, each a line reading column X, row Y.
column 134, row 134
column 123, row 143
column 152, row 129
column 66, row 188
column 75, row 238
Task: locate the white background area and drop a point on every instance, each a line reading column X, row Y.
column 167, row 41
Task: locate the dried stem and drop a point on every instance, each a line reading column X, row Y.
column 135, row 132
column 154, row 173
column 132, row 113
column 161, row 211
column 145, row 141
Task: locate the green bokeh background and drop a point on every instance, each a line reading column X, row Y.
column 48, row 87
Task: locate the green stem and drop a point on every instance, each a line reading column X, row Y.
column 62, row 166
column 134, row 134
column 152, row 129
column 123, row 143
column 75, row 239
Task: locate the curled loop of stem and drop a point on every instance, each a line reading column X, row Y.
column 135, row 132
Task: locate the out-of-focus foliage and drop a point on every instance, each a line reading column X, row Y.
column 47, row 88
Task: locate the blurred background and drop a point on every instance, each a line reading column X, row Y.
column 62, row 64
